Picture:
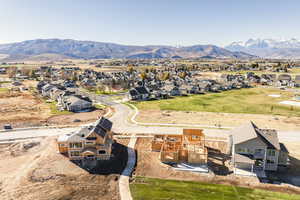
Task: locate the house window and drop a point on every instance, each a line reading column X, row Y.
column 75, row 145
column 74, row 153
column 62, row 145
column 101, row 152
column 195, row 137
column 258, row 151
column 242, row 150
column 89, row 142
column 270, row 161
column 271, row 152
column 91, row 138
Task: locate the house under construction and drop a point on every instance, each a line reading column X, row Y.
column 186, row 148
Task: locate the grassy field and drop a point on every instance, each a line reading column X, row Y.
column 252, row 101
column 158, row 189
column 4, row 90
column 293, row 72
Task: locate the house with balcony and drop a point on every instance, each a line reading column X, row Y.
column 92, row 142
column 256, row 150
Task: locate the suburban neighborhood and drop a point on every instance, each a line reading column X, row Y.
column 149, row 100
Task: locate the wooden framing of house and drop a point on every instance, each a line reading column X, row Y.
column 188, row 147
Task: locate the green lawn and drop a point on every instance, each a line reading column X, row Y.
column 4, row 90
column 252, row 100
column 159, row 189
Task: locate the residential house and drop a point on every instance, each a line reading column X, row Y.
column 76, row 103
column 90, row 142
column 255, row 149
column 139, row 93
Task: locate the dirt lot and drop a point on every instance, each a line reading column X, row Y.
column 149, row 165
column 22, row 109
column 36, row 171
column 224, row 119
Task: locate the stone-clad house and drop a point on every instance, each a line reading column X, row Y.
column 91, row 142
column 255, row 149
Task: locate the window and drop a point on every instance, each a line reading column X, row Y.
column 258, row 150
column 75, row 153
column 271, row 152
column 242, row 150
column 75, row 145
column 195, row 137
column 101, row 152
column 62, row 145
column 91, row 138
column 89, row 142
column 270, row 161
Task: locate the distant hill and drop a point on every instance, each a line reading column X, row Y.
column 57, row 49
column 268, row 48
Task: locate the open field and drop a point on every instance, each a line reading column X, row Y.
column 250, row 101
column 23, row 109
column 155, row 189
column 284, row 123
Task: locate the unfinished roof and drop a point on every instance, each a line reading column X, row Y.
column 197, row 132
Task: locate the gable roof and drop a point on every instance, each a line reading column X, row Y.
column 244, row 133
column 271, row 138
column 141, row 90
column 250, row 131
column 102, row 126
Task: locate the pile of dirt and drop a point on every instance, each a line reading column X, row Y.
column 39, row 172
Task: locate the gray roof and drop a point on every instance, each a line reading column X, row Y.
column 239, row 158
column 244, row 133
column 250, row 131
column 105, row 124
column 271, row 137
column 283, row 148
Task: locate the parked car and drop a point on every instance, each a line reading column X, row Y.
column 7, row 127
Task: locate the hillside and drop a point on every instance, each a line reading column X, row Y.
column 46, row 48
column 268, row 48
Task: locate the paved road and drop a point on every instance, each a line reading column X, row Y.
column 121, row 125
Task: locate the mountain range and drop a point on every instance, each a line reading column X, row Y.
column 268, row 48
column 45, row 49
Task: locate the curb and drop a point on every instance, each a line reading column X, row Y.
column 132, row 119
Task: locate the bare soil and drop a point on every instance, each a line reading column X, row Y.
column 222, row 119
column 36, row 171
column 23, row 109
column 149, row 165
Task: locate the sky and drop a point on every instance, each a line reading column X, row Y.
column 149, row 22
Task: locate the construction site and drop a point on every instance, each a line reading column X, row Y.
column 186, row 148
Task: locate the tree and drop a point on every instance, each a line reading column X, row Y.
column 143, row 75
column 182, row 74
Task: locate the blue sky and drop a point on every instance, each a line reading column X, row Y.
column 142, row 22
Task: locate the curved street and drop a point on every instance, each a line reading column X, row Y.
column 123, row 124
